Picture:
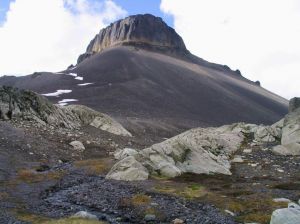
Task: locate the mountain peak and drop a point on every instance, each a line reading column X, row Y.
column 145, row 31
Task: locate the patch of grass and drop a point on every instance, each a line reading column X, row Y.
column 258, row 217
column 31, row 218
column 140, row 199
column 36, row 219
column 93, row 166
column 73, row 221
column 190, row 192
column 249, row 208
column 30, row 176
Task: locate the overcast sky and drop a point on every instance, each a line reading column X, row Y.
column 259, row 37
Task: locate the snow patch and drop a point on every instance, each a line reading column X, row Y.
column 65, row 102
column 58, row 92
column 72, row 74
column 76, row 76
column 85, row 84
column 79, row 78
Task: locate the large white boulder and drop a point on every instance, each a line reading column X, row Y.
column 290, row 215
column 200, row 151
column 128, row 169
column 290, row 139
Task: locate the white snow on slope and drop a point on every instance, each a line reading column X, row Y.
column 65, row 102
column 79, row 78
column 58, row 92
column 85, row 84
column 76, row 76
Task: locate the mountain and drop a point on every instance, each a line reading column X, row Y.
column 138, row 71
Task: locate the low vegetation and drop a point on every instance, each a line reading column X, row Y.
column 94, row 166
column 31, row 176
column 35, row 219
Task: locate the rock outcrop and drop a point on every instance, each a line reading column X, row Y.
column 290, row 139
column 210, row 150
column 139, row 30
column 27, row 105
column 196, row 151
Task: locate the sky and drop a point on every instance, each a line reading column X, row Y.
column 258, row 37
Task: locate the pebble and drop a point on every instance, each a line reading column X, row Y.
column 247, row 151
column 237, row 159
column 280, row 170
column 229, row 212
column 178, row 221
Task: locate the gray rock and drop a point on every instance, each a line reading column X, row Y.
column 287, row 150
column 290, row 215
column 178, row 221
column 23, row 104
column 121, row 154
column 77, row 145
column 128, row 169
column 195, row 151
column 85, row 215
column 237, row 159
column 150, row 218
column 294, row 104
column 290, row 137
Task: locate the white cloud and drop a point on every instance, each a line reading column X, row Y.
column 49, row 35
column 259, row 37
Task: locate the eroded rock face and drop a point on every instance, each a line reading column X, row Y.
column 139, row 30
column 23, row 104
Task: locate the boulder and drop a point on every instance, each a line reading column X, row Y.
column 290, row 215
column 128, row 169
column 287, row 150
column 290, row 137
column 294, row 104
column 77, row 145
column 200, row 151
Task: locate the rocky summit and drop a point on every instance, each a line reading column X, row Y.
column 146, row 31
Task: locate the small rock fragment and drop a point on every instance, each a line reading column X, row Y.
column 77, row 145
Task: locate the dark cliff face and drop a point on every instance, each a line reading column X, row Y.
column 145, row 31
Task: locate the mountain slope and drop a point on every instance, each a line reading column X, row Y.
column 152, row 88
